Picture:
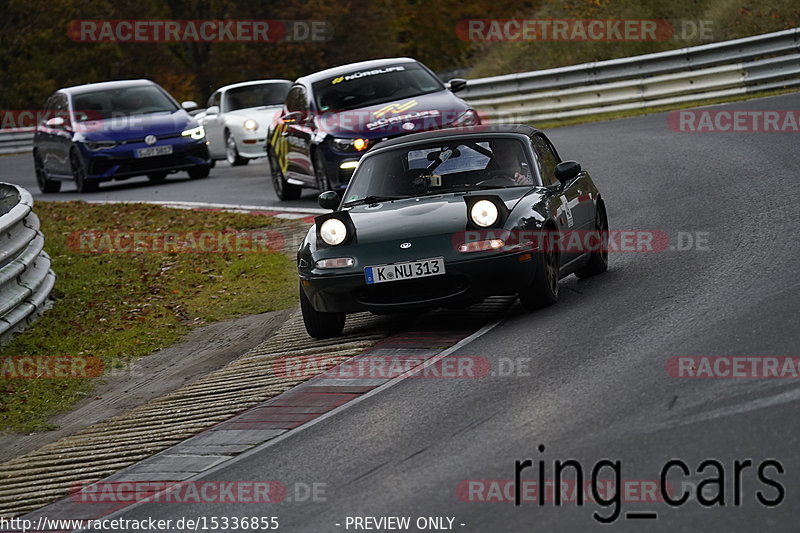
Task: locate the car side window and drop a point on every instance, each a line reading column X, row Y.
column 546, row 158
column 297, row 100
column 214, row 100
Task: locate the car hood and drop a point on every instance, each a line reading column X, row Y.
column 424, row 112
column 137, row 126
column 422, row 217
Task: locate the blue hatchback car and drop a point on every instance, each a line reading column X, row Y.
column 114, row 131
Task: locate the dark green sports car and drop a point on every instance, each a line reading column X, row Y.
column 447, row 218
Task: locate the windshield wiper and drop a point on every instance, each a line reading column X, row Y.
column 371, row 199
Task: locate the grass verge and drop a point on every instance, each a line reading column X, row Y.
column 117, row 307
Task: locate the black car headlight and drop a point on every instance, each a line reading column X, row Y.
column 334, row 229
column 485, row 211
column 350, row 145
column 467, row 118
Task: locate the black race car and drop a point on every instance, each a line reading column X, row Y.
column 447, row 218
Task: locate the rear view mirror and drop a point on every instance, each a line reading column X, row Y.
column 55, row 122
column 329, row 200
column 293, row 117
column 457, row 84
column 189, row 105
column 567, row 170
column 213, row 110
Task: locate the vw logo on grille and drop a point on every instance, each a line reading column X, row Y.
column 405, row 245
column 150, row 140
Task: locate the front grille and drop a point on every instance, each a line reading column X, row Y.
column 412, row 290
column 162, row 162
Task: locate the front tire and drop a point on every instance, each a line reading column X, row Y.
column 197, row 173
column 323, row 184
column 79, row 175
column 543, row 290
column 320, row 325
column 45, row 184
column 283, row 189
column 232, row 152
column 598, row 260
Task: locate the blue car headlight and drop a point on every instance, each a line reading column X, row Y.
column 197, row 133
column 94, row 146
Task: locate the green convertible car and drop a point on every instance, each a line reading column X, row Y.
column 446, row 218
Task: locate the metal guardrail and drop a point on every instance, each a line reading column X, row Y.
column 16, row 141
column 757, row 63
column 25, row 276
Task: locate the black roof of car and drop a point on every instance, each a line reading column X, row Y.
column 353, row 67
column 523, row 129
column 105, row 85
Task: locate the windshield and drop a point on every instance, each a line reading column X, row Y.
column 455, row 166
column 266, row 94
column 127, row 101
column 363, row 88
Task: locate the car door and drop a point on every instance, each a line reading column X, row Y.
column 298, row 132
column 60, row 137
column 214, row 126
column 565, row 196
column 44, row 139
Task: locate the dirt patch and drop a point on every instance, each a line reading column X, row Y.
column 202, row 351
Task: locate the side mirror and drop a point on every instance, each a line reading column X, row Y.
column 329, row 200
column 188, row 105
column 567, row 170
column 457, row 84
column 292, row 118
column 55, row 122
column 213, row 110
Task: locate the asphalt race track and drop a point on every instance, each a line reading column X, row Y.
column 595, row 383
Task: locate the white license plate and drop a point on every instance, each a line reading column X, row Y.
column 154, row 150
column 406, row 270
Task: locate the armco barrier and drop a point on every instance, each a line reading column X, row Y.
column 728, row 68
column 25, row 276
column 16, row 141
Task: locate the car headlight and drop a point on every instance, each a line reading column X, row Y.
column 351, row 145
column 333, row 231
column 481, row 246
column 99, row 145
column 484, row 213
column 195, row 133
column 335, row 262
column 250, row 124
column 468, row 118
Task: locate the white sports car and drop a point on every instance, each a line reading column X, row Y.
column 239, row 116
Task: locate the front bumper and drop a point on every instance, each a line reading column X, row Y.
column 464, row 282
column 251, row 144
column 120, row 162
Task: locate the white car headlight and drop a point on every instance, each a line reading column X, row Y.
column 333, row 231
column 483, row 213
column 250, row 124
column 195, row 133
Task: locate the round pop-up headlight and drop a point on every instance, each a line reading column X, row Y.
column 333, row 231
column 483, row 213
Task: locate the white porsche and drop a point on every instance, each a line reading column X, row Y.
column 239, row 116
